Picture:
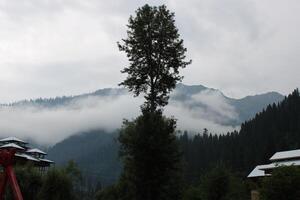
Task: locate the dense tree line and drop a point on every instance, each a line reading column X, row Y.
column 58, row 183
column 276, row 128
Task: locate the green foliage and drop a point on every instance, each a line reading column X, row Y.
column 57, row 186
column 108, row 193
column 149, row 150
column 221, row 184
column 218, row 184
column 284, row 184
column 152, row 161
column 192, row 193
column 215, row 185
column 30, row 182
column 155, row 52
column 72, row 170
column 57, row 183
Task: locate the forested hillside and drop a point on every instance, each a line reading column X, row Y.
column 95, row 152
column 274, row 129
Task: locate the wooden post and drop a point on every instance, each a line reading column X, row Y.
column 254, row 195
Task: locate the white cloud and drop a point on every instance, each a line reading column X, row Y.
column 206, row 109
column 51, row 125
column 216, row 102
column 195, row 121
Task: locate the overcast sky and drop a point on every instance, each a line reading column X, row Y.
column 63, row 47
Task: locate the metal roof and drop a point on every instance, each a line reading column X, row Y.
column 13, row 139
column 38, row 151
column 282, row 155
column 46, row 160
column 28, row 157
column 11, row 145
column 258, row 172
column 283, row 163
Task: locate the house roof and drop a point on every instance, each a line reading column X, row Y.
column 11, row 145
column 46, row 160
column 13, row 139
column 28, row 157
column 258, row 172
column 281, row 158
column 282, row 163
column 283, row 155
column 38, row 151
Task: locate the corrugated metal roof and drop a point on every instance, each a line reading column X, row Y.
column 281, row 155
column 38, row 151
column 11, row 145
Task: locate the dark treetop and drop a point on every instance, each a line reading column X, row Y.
column 155, row 53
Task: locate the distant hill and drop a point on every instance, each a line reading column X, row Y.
column 198, row 96
column 248, row 106
column 212, row 102
column 95, row 152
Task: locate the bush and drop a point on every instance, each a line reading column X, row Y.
column 284, row 184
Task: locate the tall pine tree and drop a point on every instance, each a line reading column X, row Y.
column 149, row 149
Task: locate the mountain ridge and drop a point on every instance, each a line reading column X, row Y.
column 117, row 91
column 197, row 100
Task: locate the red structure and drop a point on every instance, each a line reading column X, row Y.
column 12, row 151
column 8, row 175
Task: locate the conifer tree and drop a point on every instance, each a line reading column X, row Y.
column 149, row 149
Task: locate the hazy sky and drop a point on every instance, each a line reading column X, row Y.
column 63, row 47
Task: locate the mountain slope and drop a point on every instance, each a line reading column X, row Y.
column 276, row 128
column 215, row 103
column 248, row 106
column 95, row 152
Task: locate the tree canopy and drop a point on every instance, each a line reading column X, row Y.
column 155, row 52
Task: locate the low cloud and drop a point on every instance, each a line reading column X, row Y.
column 206, row 109
column 48, row 126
